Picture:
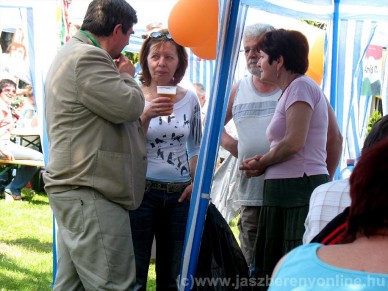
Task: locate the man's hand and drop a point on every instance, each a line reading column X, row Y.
column 125, row 65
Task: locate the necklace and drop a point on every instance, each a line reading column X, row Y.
column 296, row 77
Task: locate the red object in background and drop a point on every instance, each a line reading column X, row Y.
column 15, row 115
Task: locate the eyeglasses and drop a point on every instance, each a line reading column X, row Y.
column 7, row 90
column 158, row 34
column 248, row 50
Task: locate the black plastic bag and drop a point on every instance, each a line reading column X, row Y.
column 221, row 263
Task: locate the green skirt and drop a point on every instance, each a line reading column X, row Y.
column 282, row 217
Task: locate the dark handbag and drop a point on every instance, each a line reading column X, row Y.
column 221, row 263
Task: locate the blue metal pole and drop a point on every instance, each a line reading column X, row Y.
column 336, row 103
column 207, row 157
column 334, row 64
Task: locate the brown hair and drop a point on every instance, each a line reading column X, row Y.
column 145, row 77
column 5, row 83
column 291, row 44
column 368, row 213
column 378, row 132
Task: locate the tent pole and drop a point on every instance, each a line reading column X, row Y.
column 335, row 103
column 209, row 147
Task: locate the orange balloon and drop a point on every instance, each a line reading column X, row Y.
column 317, row 78
column 315, row 70
column 208, row 51
column 192, row 22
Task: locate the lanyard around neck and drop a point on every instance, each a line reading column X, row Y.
column 94, row 41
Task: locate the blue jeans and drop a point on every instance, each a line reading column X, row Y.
column 4, row 180
column 24, row 173
column 23, row 176
column 160, row 215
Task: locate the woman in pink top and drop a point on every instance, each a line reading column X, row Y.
column 296, row 162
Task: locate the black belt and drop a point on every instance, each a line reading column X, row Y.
column 165, row 186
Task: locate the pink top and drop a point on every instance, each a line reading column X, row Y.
column 311, row 159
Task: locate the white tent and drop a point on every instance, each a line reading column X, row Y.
column 40, row 22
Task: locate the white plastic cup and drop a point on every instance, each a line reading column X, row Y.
column 167, row 91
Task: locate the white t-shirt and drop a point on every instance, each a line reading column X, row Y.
column 173, row 140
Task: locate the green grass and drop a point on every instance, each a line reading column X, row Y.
column 26, row 243
column 234, row 228
column 26, row 260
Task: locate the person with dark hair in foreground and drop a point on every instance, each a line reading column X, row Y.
column 97, row 157
column 359, row 262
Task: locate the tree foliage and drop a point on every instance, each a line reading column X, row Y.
column 376, row 115
column 134, row 57
column 317, row 24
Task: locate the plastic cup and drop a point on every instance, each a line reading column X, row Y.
column 167, row 91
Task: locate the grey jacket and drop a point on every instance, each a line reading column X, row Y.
column 92, row 118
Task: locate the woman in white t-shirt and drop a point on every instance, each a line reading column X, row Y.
column 173, row 141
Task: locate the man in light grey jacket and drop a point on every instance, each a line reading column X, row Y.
column 97, row 157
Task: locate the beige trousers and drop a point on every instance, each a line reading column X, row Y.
column 247, row 225
column 94, row 242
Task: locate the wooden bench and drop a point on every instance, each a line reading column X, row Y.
column 23, row 163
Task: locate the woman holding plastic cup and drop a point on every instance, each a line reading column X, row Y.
column 173, row 127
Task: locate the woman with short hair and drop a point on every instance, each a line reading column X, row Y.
column 296, row 162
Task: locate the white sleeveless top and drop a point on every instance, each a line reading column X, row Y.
column 252, row 113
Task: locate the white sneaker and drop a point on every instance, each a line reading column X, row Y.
column 11, row 197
